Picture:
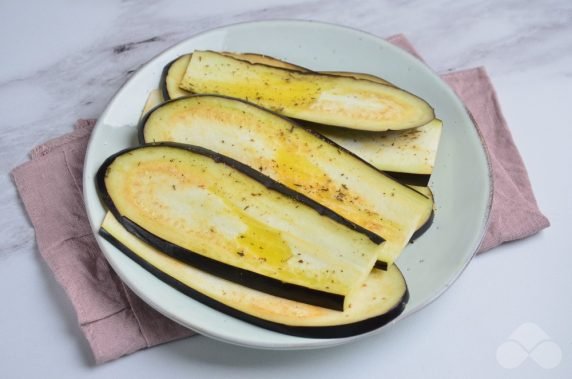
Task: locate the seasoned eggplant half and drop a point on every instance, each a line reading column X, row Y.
column 411, row 151
column 379, row 300
column 232, row 221
column 300, row 159
column 326, row 99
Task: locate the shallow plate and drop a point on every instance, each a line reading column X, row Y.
column 461, row 180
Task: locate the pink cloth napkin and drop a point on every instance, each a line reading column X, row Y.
column 115, row 321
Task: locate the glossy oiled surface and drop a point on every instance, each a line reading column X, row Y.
column 213, row 210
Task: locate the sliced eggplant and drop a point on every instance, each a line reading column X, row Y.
column 411, row 151
column 228, row 219
column 326, row 99
column 424, row 228
column 381, row 298
column 171, row 78
column 412, row 180
column 300, row 159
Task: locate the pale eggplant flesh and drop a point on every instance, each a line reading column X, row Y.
column 408, row 155
column 381, row 299
column 228, row 219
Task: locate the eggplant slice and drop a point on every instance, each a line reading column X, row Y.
column 380, row 300
column 171, row 78
column 300, row 159
column 411, row 151
column 228, row 219
column 325, row 99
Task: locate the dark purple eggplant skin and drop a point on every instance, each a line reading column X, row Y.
column 237, row 275
column 425, row 227
column 421, row 180
column 323, row 332
column 380, row 265
column 163, row 79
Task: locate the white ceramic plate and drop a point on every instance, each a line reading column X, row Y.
column 461, row 180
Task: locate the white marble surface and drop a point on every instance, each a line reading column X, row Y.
column 62, row 60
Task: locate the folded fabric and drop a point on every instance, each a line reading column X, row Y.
column 115, row 321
